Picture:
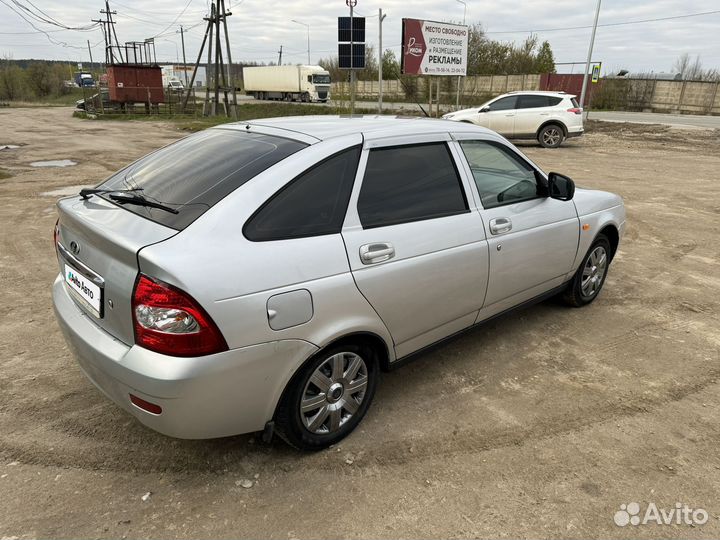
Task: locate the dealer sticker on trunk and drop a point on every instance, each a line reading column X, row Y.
column 85, row 290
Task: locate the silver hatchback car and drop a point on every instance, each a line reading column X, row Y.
column 259, row 276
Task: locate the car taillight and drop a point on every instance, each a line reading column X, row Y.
column 575, row 110
column 169, row 321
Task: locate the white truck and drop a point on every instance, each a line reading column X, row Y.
column 290, row 83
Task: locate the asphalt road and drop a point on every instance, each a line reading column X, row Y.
column 673, row 120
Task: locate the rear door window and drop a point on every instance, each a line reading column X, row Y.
column 194, row 173
column 410, row 183
column 311, row 205
column 532, row 102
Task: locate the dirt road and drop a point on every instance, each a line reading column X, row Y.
column 540, row 424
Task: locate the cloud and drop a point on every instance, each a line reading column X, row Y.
column 259, row 27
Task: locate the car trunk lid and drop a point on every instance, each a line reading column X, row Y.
column 97, row 252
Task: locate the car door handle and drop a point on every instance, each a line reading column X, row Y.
column 513, row 114
column 377, row 252
column 500, row 225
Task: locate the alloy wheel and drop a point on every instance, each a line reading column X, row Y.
column 333, row 393
column 593, row 272
column 551, row 136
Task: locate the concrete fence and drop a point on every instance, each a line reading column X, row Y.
column 481, row 86
column 689, row 97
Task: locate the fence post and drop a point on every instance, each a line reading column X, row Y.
column 682, row 95
column 714, row 96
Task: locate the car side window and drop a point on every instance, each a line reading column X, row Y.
column 410, row 183
column 501, row 176
column 552, row 101
column 532, row 102
column 504, row 104
column 312, row 204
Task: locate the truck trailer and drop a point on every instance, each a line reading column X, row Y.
column 289, row 83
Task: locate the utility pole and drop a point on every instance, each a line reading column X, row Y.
column 109, row 25
column 217, row 15
column 381, row 17
column 182, row 39
column 90, row 51
column 457, row 97
column 589, row 56
column 280, row 56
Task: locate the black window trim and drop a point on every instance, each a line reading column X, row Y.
column 540, row 177
column 436, row 216
column 287, row 186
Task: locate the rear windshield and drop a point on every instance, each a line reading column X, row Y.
column 196, row 172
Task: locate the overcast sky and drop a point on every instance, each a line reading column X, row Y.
column 259, row 27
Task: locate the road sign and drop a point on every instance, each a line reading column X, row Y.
column 351, row 46
column 434, row 48
column 596, row 73
column 351, row 60
column 358, row 30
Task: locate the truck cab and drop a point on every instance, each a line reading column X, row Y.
column 317, row 84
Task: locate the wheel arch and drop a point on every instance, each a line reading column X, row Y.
column 611, row 232
column 555, row 122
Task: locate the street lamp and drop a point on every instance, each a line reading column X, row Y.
column 457, row 97
column 308, row 36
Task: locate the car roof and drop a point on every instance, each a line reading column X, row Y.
column 323, row 127
column 559, row 93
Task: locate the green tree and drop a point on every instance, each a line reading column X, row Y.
column 545, row 59
column 12, row 80
column 390, row 65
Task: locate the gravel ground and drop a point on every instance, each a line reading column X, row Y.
column 539, row 424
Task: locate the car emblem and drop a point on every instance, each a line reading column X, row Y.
column 74, row 247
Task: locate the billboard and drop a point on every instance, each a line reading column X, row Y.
column 433, row 48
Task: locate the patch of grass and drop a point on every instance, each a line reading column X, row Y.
column 70, row 98
column 4, row 173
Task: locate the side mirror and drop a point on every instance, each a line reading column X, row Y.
column 560, row 187
column 486, row 108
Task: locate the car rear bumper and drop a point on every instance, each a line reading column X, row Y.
column 575, row 131
column 210, row 396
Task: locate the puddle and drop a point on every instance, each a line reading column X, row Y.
column 54, row 163
column 9, row 146
column 63, row 192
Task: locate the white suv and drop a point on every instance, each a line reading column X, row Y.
column 549, row 117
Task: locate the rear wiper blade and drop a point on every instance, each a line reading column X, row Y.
column 88, row 192
column 140, row 201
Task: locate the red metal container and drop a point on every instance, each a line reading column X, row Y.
column 135, row 84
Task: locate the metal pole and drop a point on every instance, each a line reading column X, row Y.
column 589, row 56
column 90, row 51
column 182, row 39
column 381, row 17
column 231, row 78
column 457, row 97
column 352, row 70
column 280, row 56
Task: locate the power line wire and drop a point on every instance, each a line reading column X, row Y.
column 703, row 13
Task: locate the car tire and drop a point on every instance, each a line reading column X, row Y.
column 551, row 136
column 590, row 276
column 328, row 397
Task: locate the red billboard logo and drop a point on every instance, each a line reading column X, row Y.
column 414, row 46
